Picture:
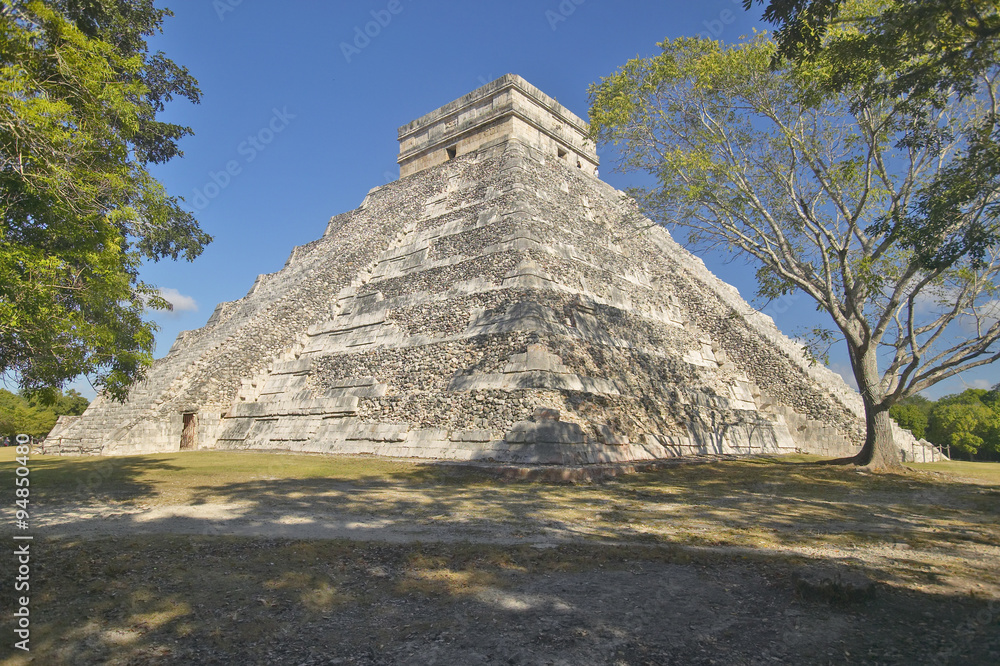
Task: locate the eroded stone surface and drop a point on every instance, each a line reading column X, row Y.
column 457, row 310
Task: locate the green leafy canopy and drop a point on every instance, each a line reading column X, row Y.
column 79, row 98
column 35, row 415
column 881, row 203
column 921, row 55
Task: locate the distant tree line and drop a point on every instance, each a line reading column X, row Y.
column 968, row 422
column 35, row 415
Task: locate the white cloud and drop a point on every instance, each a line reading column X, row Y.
column 931, row 301
column 180, row 302
column 989, row 313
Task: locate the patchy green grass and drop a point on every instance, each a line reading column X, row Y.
column 757, row 502
column 176, row 476
column 947, row 519
column 980, row 471
column 931, row 536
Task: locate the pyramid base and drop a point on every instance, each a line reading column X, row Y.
column 528, row 442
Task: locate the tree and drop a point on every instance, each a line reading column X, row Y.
column 15, row 415
column 969, row 421
column 79, row 97
column 35, row 415
column 919, row 55
column 825, row 192
column 930, row 44
column 70, row 403
column 912, row 413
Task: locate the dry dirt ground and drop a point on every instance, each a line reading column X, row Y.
column 209, row 559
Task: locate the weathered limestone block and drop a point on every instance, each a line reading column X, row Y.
column 536, row 358
column 610, row 437
column 471, row 436
column 545, row 432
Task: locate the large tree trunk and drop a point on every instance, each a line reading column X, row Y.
column 879, row 451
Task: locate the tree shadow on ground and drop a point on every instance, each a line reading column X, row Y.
column 746, row 503
column 712, row 550
column 216, row 600
column 93, row 478
column 903, row 525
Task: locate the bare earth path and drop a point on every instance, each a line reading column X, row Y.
column 195, row 560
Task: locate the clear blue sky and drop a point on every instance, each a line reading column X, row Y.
column 322, row 105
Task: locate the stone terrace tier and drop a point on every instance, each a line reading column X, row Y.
column 501, row 305
column 507, row 108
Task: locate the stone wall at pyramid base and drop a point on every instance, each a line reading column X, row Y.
column 545, row 440
column 543, row 437
column 169, row 432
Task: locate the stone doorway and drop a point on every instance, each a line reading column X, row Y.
column 189, row 433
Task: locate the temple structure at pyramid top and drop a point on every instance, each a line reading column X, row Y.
column 508, row 108
column 499, row 303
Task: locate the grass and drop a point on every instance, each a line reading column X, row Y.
column 175, row 474
column 178, row 474
column 790, row 502
column 934, row 531
column 980, row 471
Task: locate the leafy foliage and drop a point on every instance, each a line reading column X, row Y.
column 853, row 199
column 79, row 96
column 913, row 413
column 933, row 45
column 969, row 422
column 918, row 55
column 20, row 414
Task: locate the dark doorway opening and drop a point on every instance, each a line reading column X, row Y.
column 189, row 433
column 452, row 152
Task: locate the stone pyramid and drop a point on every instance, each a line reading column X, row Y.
column 497, row 302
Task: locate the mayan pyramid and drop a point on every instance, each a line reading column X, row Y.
column 497, row 302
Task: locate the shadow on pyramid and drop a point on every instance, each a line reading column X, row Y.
column 496, row 303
